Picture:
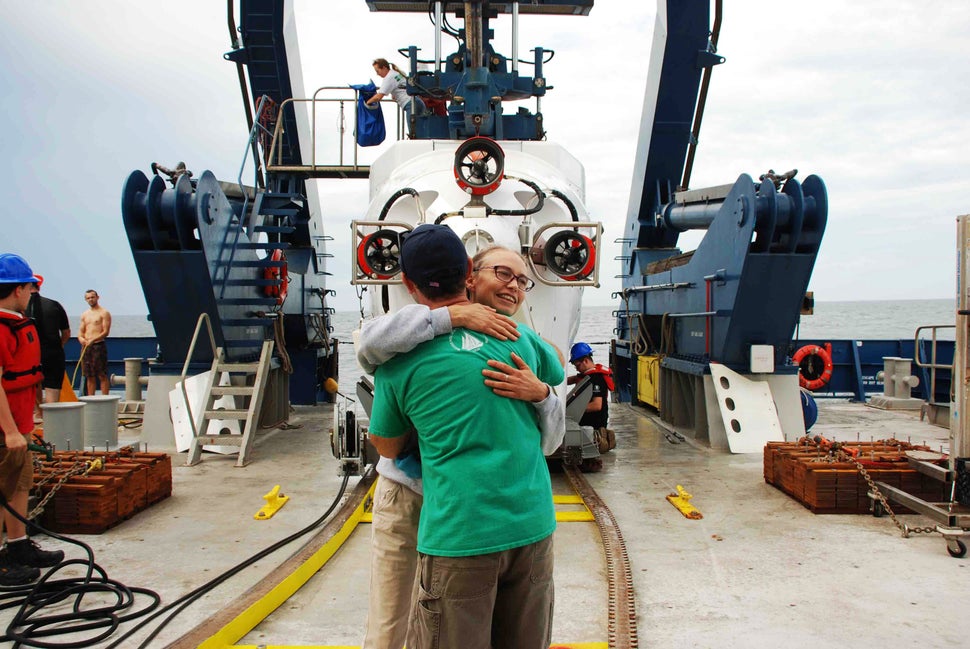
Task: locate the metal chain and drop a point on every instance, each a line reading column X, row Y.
column 837, row 453
column 906, row 530
column 79, row 468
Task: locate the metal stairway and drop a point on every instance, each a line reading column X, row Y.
column 276, row 221
column 247, row 416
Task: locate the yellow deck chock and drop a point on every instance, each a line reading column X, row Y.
column 681, row 500
column 274, row 500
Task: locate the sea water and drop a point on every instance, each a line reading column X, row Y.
column 891, row 319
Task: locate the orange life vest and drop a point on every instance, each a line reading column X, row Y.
column 24, row 370
column 607, row 374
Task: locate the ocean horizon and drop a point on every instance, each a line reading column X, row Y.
column 862, row 319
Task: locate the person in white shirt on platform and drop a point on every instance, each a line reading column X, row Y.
column 395, row 84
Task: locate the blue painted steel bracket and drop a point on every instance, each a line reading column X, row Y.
column 744, row 283
column 264, row 53
column 548, row 7
column 685, row 366
column 666, row 125
column 476, row 93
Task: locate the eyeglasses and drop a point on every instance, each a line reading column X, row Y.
column 505, row 275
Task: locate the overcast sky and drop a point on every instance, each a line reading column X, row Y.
column 871, row 96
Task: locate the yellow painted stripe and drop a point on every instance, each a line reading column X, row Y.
column 575, row 645
column 251, row 617
column 576, row 516
column 575, row 499
column 248, row 619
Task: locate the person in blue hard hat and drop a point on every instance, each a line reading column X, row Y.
column 597, row 413
column 20, row 373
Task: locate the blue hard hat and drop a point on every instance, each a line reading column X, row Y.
column 578, row 351
column 14, row 270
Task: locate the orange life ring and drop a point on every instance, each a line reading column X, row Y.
column 824, row 354
column 275, row 273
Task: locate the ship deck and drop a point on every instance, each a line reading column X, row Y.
column 758, row 569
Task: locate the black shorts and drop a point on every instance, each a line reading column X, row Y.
column 94, row 363
column 53, row 364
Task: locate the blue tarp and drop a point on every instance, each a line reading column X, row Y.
column 370, row 119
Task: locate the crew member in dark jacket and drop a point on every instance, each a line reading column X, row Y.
column 54, row 330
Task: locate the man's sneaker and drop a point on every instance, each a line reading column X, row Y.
column 12, row 574
column 27, row 553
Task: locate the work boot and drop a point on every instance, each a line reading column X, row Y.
column 12, row 574
column 27, row 553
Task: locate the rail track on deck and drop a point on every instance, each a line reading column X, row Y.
column 622, row 603
column 239, row 617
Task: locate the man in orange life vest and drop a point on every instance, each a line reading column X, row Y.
column 597, row 412
column 20, row 372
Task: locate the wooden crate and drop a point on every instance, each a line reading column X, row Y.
column 828, row 487
column 126, row 484
column 84, row 505
column 159, row 467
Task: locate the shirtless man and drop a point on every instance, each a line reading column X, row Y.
column 95, row 327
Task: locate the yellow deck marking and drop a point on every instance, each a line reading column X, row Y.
column 248, row 619
column 561, row 517
column 577, row 645
column 681, row 500
column 578, row 516
column 575, row 499
column 227, row 636
column 274, row 500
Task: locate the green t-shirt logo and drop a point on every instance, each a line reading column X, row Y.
column 466, row 341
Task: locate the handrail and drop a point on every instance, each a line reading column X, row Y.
column 933, row 365
column 275, row 157
column 257, row 165
column 257, row 126
column 188, row 357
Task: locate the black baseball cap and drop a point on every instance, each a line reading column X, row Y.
column 431, row 254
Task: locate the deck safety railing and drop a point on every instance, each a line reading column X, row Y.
column 328, row 108
column 932, row 365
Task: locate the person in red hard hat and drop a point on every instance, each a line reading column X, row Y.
column 598, row 410
column 20, row 372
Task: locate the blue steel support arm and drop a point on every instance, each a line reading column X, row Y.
column 263, row 52
column 668, row 123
